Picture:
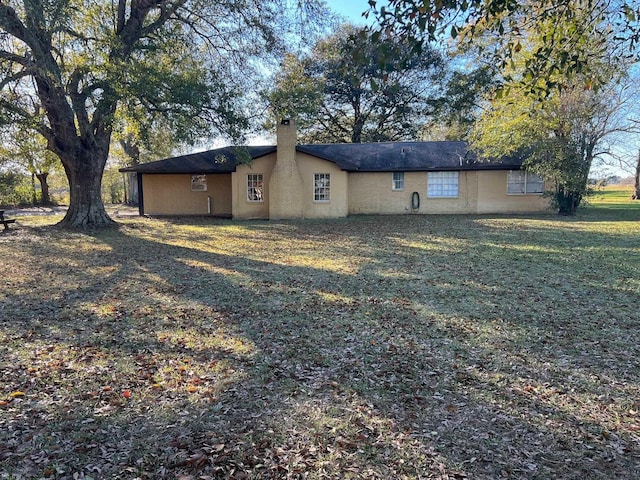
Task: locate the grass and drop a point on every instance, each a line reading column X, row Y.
column 369, row 347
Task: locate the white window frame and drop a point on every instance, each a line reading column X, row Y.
column 443, row 184
column 198, row 183
column 397, row 181
column 322, row 187
column 255, row 188
column 520, row 182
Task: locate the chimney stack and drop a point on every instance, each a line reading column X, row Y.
column 285, row 184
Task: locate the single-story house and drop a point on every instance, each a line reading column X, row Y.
column 335, row 180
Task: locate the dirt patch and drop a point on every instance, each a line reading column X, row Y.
column 112, row 210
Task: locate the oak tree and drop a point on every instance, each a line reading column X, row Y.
column 353, row 88
column 67, row 66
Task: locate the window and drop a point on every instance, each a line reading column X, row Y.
column 254, row 187
column 442, row 184
column 321, row 187
column 198, row 183
column 398, row 181
column 521, row 183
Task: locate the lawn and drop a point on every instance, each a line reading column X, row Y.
column 373, row 347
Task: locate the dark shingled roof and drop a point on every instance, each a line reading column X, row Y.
column 220, row 160
column 405, row 156
column 352, row 157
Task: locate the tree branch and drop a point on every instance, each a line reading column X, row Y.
column 15, row 58
column 11, row 23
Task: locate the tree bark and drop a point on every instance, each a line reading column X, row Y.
column 86, row 209
column 45, row 199
column 131, row 189
column 132, row 151
column 568, row 201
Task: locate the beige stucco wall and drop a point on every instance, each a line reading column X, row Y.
column 242, row 207
column 351, row 193
column 478, row 192
column 338, row 204
column 168, row 194
column 307, row 166
column 493, row 198
column 372, row 193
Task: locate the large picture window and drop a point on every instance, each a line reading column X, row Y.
column 321, row 187
column 398, row 181
column 442, row 185
column 255, row 186
column 522, row 183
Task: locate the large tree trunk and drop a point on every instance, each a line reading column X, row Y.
column 132, row 151
column 131, row 189
column 568, row 201
column 86, row 209
column 45, row 198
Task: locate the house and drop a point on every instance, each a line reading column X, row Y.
column 335, row 180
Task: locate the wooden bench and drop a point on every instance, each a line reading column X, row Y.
column 4, row 221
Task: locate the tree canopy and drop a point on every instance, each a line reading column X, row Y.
column 22, row 151
column 561, row 135
column 67, row 67
column 565, row 51
column 353, row 88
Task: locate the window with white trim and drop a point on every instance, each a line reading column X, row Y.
column 321, row 187
column 198, row 183
column 442, row 184
column 520, row 182
column 398, row 180
column 255, row 186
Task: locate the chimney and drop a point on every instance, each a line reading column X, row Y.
column 285, row 185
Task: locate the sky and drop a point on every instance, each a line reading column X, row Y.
column 350, row 9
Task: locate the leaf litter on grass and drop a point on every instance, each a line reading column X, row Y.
column 368, row 347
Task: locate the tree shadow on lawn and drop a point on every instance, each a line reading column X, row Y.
column 243, row 365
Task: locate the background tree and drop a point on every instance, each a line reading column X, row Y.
column 139, row 138
column 78, row 63
column 563, row 51
column 25, row 151
column 562, row 135
column 352, row 88
column 457, row 110
column 296, row 94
